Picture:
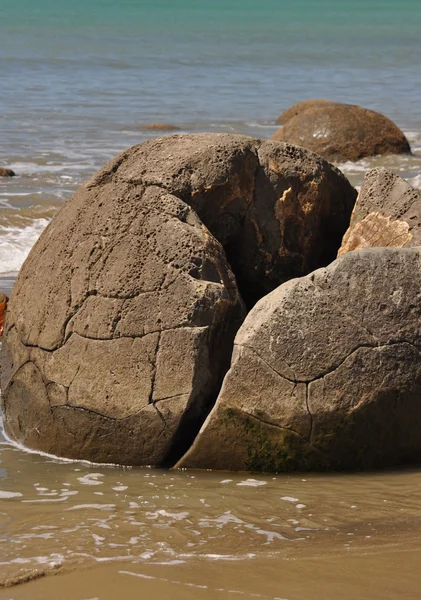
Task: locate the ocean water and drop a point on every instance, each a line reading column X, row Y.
column 79, row 80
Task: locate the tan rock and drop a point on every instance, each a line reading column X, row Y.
column 300, row 107
column 326, row 373
column 161, row 127
column 119, row 329
column 279, row 211
column 6, row 172
column 342, row 132
column 121, row 322
column 387, row 213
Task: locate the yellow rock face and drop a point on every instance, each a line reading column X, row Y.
column 376, row 230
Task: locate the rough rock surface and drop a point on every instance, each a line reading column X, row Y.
column 121, row 322
column 279, row 211
column 387, row 213
column 300, row 107
column 343, row 132
column 119, row 328
column 6, row 172
column 326, row 372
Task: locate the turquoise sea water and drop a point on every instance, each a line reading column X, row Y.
column 79, row 79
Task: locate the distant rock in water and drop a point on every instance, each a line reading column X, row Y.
column 387, row 213
column 342, row 132
column 7, row 172
column 161, row 127
column 122, row 319
column 300, row 107
column 326, row 373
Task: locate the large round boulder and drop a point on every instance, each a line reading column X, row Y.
column 121, row 323
column 342, row 132
column 279, row 211
column 326, row 372
column 119, row 329
column 387, row 213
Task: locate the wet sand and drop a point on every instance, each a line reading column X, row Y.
column 380, row 576
column 98, row 531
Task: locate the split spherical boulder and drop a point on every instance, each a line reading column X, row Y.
column 326, row 372
column 121, row 322
column 343, row 132
column 387, row 213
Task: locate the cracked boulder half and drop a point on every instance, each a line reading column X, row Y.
column 387, row 213
column 279, row 211
column 326, row 372
column 119, row 329
column 342, row 131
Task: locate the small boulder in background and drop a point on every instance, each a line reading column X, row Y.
column 6, row 172
column 341, row 132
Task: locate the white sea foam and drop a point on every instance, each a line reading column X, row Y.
column 16, row 242
column 415, row 181
column 252, row 483
column 4, row 494
column 91, row 479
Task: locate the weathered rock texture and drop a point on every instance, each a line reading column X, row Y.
column 326, row 372
column 300, row 107
column 279, row 211
column 121, row 322
column 387, row 213
column 6, row 172
column 119, row 328
column 343, row 132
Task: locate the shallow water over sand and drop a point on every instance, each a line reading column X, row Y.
column 167, row 534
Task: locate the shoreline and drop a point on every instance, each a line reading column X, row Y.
column 381, row 575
